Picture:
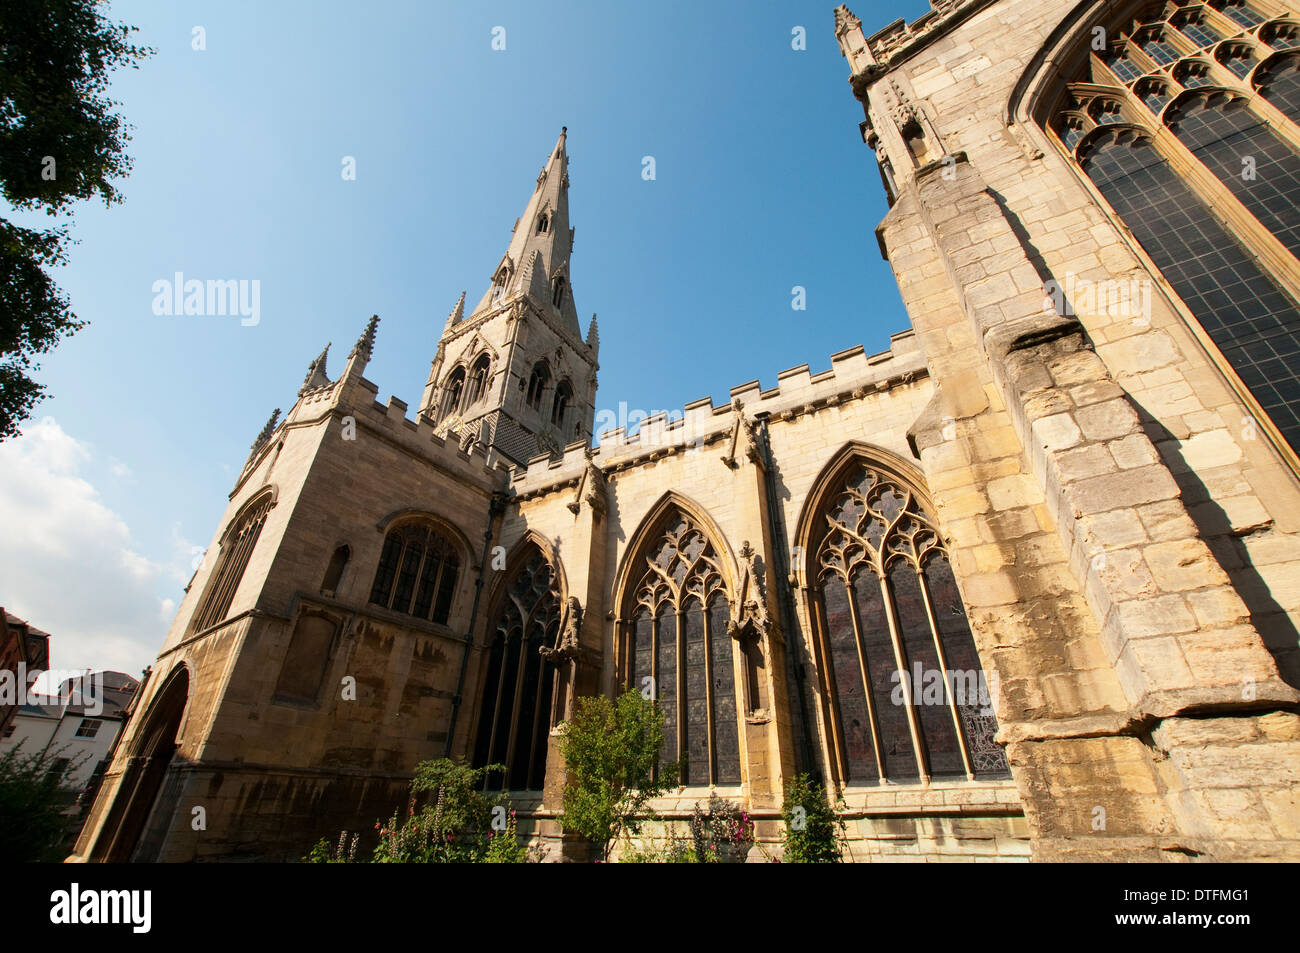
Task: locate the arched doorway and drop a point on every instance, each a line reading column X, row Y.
column 150, row 756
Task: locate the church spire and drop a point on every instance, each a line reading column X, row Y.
column 540, row 247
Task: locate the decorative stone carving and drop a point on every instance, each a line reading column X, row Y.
column 591, row 487
column 750, row 620
column 744, row 439
column 566, row 645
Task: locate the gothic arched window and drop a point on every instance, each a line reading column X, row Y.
column 417, row 572
column 499, row 282
column 543, row 223
column 514, row 716
column 557, row 291
column 478, row 380
column 907, row 697
column 560, row 406
column 1172, row 123
column 676, row 646
column 537, row 381
column 453, row 390
column 236, row 547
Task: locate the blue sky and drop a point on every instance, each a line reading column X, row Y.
column 762, row 184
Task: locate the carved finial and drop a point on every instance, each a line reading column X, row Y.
column 593, row 334
column 365, row 345
column 316, row 376
column 457, row 313
column 264, row 436
column 844, row 19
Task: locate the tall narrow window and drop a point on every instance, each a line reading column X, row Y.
column 557, row 291
column 478, row 380
column 453, row 390
column 907, row 694
column 543, row 223
column 236, row 547
column 334, row 571
column 514, row 715
column 499, row 283
column 537, row 381
column 677, row 647
column 560, row 406
column 417, row 573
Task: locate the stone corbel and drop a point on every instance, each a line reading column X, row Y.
column 567, row 646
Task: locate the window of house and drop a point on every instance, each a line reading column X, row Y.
column 88, row 728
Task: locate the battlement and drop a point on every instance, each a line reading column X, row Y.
column 900, row 36
column 853, row 374
column 358, row 397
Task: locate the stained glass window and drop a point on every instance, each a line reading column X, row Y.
column 1249, row 158
column 1281, row 87
column 680, row 652
column 236, row 548
column 514, row 716
column 1245, row 313
column 908, row 697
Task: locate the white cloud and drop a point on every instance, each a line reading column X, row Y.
column 66, row 561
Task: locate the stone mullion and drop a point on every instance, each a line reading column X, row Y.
column 900, row 658
column 830, row 699
column 537, row 711
column 496, row 705
column 865, row 671
column 680, row 615
column 708, row 691
column 943, row 670
column 511, row 739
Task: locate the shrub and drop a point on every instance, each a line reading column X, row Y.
column 814, row 832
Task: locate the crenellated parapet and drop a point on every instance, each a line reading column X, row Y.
column 853, row 375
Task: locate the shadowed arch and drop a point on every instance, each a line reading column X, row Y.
column 149, row 756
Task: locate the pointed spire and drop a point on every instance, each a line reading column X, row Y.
column 593, row 334
column 457, row 314
column 365, row 345
column 316, row 376
column 541, row 243
column 264, row 436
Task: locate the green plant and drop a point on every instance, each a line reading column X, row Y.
column 33, row 825
column 722, row 834
column 449, row 819
column 673, row 849
column 341, row 853
column 611, row 754
column 814, row 831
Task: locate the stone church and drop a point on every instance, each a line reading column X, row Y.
column 1024, row 586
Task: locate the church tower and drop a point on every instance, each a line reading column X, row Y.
column 515, row 373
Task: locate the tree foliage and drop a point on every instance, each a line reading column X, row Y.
column 33, row 827
column 61, row 141
column 611, row 754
